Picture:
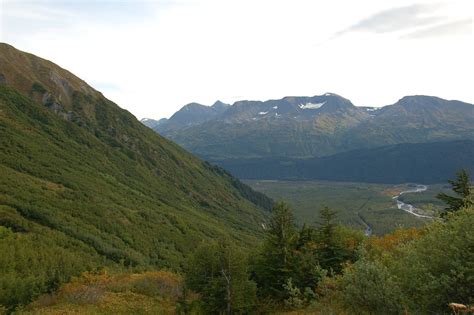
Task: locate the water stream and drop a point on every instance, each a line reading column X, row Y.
column 410, row 208
column 402, row 206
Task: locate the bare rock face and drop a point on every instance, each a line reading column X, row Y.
column 56, row 108
column 47, row 98
column 64, row 88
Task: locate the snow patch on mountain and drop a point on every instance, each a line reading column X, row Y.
column 263, row 113
column 311, row 105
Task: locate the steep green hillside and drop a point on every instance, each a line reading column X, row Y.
column 84, row 184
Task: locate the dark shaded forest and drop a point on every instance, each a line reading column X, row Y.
column 425, row 163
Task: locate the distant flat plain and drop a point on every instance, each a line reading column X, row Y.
column 355, row 203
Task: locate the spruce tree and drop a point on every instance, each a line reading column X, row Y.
column 461, row 186
column 273, row 266
column 282, row 231
column 331, row 255
column 218, row 272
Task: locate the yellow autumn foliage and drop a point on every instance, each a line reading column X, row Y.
column 101, row 293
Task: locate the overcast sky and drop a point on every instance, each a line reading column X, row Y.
column 152, row 57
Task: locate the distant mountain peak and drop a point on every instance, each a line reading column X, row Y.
column 334, row 102
column 192, row 106
column 220, row 104
column 427, row 102
column 412, row 98
column 152, row 123
column 192, row 114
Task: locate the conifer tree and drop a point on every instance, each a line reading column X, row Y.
column 219, row 273
column 330, row 254
column 282, row 231
column 462, row 187
column 274, row 264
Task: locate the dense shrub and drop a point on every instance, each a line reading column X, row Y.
column 422, row 276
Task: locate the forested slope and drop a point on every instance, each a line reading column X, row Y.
column 84, row 184
column 426, row 163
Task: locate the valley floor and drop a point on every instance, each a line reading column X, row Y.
column 360, row 205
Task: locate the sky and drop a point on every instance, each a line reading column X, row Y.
column 153, row 57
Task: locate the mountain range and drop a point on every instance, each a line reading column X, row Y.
column 303, row 128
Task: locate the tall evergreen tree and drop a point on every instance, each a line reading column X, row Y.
column 273, row 266
column 462, row 188
column 327, row 224
column 331, row 254
column 219, row 273
column 282, row 231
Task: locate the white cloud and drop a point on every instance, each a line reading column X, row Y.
column 459, row 27
column 152, row 57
